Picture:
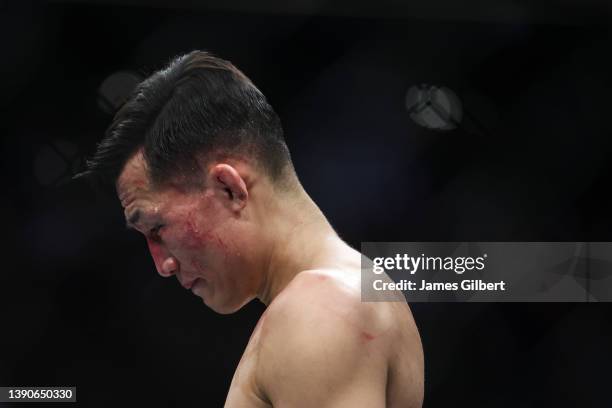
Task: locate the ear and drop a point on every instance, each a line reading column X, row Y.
column 227, row 179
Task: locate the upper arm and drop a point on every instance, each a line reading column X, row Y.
column 316, row 356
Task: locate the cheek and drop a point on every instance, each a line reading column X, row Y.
column 191, row 233
column 203, row 244
column 195, row 237
column 209, row 254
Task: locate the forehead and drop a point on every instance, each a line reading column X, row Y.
column 133, row 180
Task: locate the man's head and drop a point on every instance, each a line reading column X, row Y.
column 186, row 153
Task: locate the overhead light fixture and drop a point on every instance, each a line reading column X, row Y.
column 434, row 107
column 115, row 89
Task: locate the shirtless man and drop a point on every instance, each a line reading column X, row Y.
column 198, row 160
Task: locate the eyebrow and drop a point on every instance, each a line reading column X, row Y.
column 132, row 220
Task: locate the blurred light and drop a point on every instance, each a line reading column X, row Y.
column 115, row 89
column 56, row 162
column 434, row 107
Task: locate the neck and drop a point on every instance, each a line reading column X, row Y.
column 302, row 239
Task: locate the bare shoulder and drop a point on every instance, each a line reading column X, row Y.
column 319, row 324
column 335, row 296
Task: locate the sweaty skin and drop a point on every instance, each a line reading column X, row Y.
column 240, row 237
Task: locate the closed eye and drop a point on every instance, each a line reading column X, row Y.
column 154, row 232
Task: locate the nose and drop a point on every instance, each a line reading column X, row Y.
column 165, row 263
column 169, row 267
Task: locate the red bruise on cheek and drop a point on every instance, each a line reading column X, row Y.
column 197, row 239
column 194, row 237
column 223, row 247
column 222, row 244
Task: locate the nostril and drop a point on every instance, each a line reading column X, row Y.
column 169, row 267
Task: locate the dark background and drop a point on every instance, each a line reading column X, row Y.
column 81, row 303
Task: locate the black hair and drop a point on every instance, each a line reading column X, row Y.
column 197, row 106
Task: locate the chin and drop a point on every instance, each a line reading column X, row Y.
column 226, row 308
